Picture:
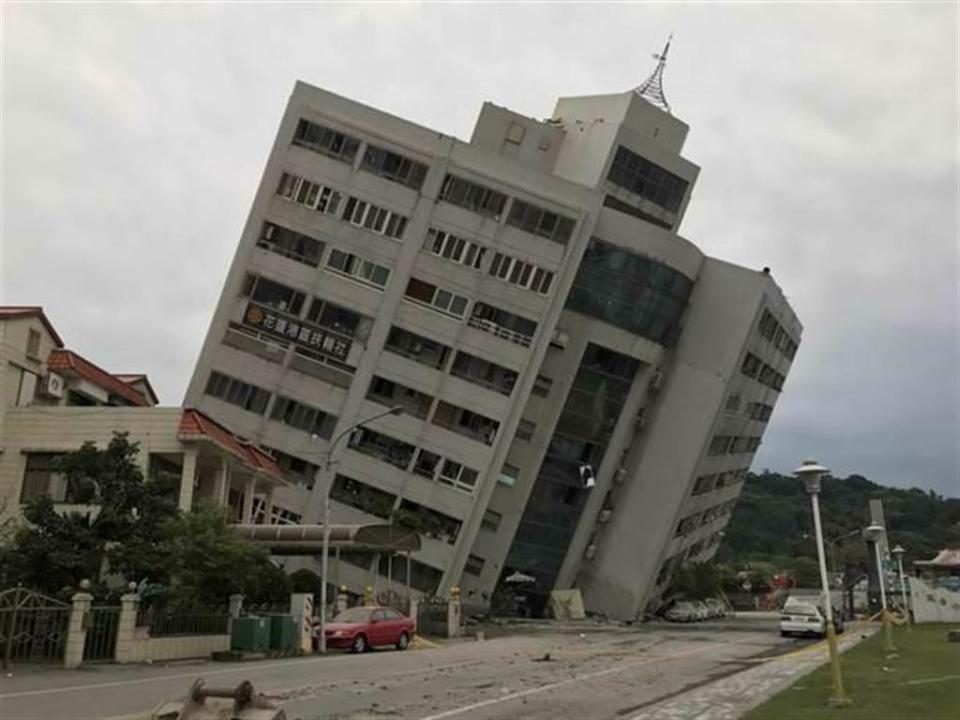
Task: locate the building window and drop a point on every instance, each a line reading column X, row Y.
column 416, row 347
column 503, row 324
column 508, row 475
column 720, row 444
column 466, row 422
column 41, row 478
column 458, row 476
column 704, row 484
column 482, row 372
column 443, row 300
column 539, row 221
column 291, row 244
column 427, row 464
column 382, row 447
column 525, row 430
column 310, row 194
column 423, row 577
column 374, row 218
column 273, row 294
column 473, row 196
column 630, row 291
column 33, row 344
column 491, row 521
column 336, row 318
column 647, row 179
column 620, row 206
column 430, row 523
column 474, row 565
column 542, row 386
column 393, row 166
column 386, row 392
column 363, row 497
column 751, row 365
column 297, row 470
column 520, row 273
column 733, row 404
column 454, row 248
column 302, row 416
column 332, row 143
column 365, row 271
column 236, row 392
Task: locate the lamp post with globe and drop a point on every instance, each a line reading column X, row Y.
column 811, row 473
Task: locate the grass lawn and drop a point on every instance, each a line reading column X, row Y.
column 921, row 683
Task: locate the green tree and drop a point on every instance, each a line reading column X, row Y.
column 54, row 551
column 210, row 562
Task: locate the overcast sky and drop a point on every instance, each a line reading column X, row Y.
column 133, row 138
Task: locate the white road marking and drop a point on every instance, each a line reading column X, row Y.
column 576, row 679
column 245, row 668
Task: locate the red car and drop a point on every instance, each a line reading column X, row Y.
column 361, row 628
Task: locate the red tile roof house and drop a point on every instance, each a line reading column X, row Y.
column 53, row 399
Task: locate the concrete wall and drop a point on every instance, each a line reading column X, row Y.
column 932, row 604
column 143, row 648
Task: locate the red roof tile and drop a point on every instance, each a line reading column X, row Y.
column 68, row 361
column 194, row 424
column 15, row 312
column 133, row 379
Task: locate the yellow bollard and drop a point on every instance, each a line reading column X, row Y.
column 839, row 697
column 888, row 632
column 368, row 596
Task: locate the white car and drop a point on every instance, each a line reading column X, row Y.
column 716, row 607
column 799, row 618
column 682, row 611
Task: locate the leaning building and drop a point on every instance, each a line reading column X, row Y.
column 583, row 389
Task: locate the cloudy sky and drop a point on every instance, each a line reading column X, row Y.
column 133, row 138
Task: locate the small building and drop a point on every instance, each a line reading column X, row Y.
column 53, row 400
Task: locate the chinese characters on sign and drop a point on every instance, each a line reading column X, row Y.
column 293, row 330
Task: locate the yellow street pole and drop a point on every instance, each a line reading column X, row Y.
column 811, row 473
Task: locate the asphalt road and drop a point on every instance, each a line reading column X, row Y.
column 574, row 672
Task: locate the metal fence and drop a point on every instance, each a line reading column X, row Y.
column 432, row 616
column 33, row 627
column 101, row 641
column 171, row 623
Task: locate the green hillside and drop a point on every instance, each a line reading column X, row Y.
column 773, row 515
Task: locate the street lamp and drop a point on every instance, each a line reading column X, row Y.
column 327, row 474
column 874, row 533
column 811, row 472
column 899, row 551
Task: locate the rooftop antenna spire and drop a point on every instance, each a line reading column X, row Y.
column 651, row 89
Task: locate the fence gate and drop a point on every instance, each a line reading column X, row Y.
column 33, row 627
column 101, row 625
column 432, row 616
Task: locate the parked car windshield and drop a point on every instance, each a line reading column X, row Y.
column 353, row 615
column 802, row 609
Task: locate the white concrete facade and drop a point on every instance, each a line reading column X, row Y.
column 563, row 253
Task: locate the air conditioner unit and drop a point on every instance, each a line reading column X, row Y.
column 604, row 516
column 639, row 423
column 656, row 380
column 590, row 551
column 620, row 474
column 559, row 339
column 52, row 385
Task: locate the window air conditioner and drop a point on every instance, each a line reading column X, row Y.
column 604, row 516
column 590, row 551
column 52, row 385
column 656, row 380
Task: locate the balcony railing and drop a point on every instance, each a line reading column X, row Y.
column 501, row 332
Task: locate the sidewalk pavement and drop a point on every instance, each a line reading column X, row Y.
column 731, row 697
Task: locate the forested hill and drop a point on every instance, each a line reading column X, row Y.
column 773, row 515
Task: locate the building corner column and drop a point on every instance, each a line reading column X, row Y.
column 246, row 509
